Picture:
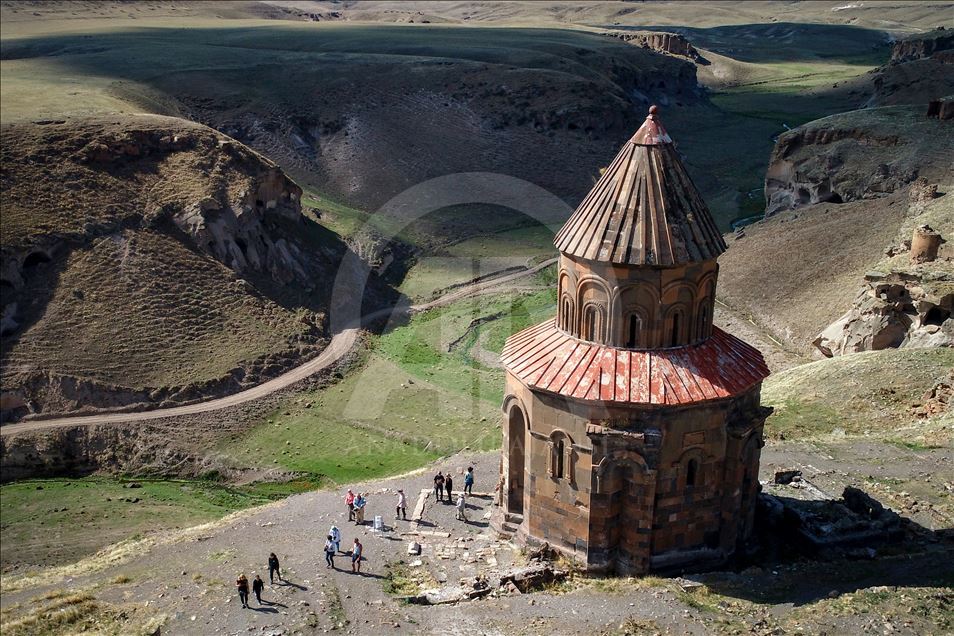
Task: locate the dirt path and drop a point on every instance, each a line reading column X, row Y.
column 338, row 347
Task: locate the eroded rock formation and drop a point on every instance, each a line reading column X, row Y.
column 923, row 45
column 911, row 303
column 894, row 310
column 671, row 43
column 856, row 155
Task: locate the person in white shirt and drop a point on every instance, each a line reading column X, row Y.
column 461, row 508
column 401, row 505
column 335, row 537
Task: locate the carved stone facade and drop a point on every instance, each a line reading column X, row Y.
column 632, row 428
column 636, row 307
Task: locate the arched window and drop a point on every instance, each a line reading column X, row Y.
column 592, row 319
column 692, row 471
column 561, row 456
column 675, row 326
column 635, row 326
column 703, row 326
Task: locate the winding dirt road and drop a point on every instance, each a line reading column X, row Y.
column 341, row 343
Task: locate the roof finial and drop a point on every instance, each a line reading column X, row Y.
column 651, row 133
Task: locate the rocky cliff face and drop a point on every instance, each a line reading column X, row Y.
column 923, row 45
column 909, row 301
column 671, row 43
column 893, row 310
column 857, row 155
column 149, row 261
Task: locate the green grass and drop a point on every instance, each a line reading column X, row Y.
column 430, row 275
column 399, row 580
column 527, row 240
column 870, row 394
column 409, row 402
column 48, row 521
column 323, row 441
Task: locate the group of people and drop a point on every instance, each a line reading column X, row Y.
column 444, row 485
column 356, row 505
column 258, row 585
column 333, row 547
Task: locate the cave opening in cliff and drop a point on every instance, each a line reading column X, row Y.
column 936, row 316
column 34, row 259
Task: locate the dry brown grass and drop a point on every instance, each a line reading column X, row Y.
column 141, row 309
column 797, row 272
column 126, row 306
column 62, row 612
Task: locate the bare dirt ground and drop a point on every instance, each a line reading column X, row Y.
column 780, row 277
column 188, row 576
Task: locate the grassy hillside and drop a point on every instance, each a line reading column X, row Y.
column 871, row 395
column 111, row 299
column 428, row 389
column 795, row 273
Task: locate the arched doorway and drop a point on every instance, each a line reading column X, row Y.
column 516, row 453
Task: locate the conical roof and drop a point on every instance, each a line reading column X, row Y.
column 644, row 210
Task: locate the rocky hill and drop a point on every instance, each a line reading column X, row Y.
column 858, row 155
column 907, row 299
column 922, row 45
column 430, row 102
column 148, row 260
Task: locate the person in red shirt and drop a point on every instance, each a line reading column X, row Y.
column 349, row 501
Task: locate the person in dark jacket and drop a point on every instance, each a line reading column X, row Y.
column 273, row 569
column 330, row 552
column 439, row 486
column 257, row 586
column 449, row 487
column 241, row 584
column 469, row 481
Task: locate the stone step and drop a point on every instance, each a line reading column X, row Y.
column 511, row 517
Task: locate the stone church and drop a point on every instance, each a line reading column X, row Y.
column 632, row 426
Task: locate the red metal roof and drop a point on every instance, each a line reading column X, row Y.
column 546, row 358
column 651, row 133
column 644, row 210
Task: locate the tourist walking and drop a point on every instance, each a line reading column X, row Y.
column 461, row 508
column 449, row 487
column 469, row 481
column 349, row 501
column 359, row 503
column 273, row 569
column 356, row 551
column 330, row 550
column 439, row 486
column 241, row 584
column 335, row 537
column 258, row 585
column 401, row 505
